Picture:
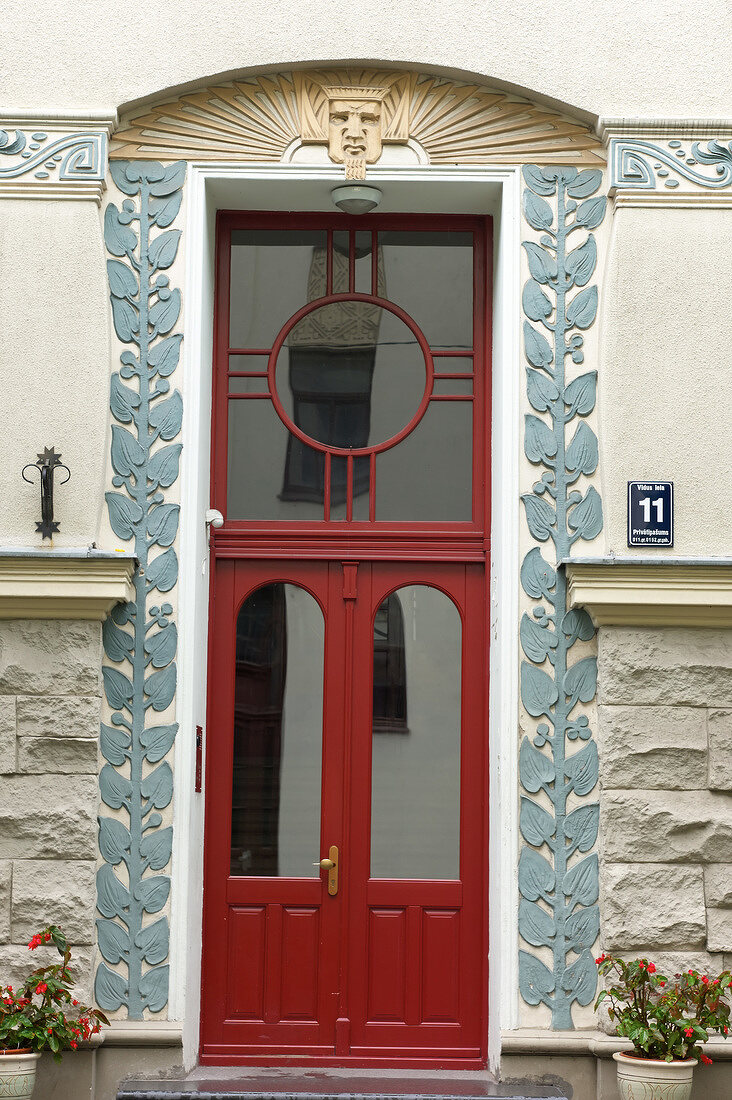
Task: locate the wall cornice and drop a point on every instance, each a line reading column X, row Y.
column 54, row 156
column 675, row 162
column 643, row 592
column 63, row 584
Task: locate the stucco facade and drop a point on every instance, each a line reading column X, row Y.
column 604, row 163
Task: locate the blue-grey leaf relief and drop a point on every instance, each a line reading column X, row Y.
column 140, row 638
column 558, row 912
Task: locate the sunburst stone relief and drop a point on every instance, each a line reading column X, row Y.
column 354, row 114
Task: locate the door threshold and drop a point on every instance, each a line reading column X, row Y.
column 298, row 1083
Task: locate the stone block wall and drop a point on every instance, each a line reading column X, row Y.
column 665, row 739
column 50, row 701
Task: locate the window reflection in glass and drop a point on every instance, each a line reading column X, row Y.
column 278, row 704
column 415, row 781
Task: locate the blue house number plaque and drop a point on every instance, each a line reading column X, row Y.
column 650, row 513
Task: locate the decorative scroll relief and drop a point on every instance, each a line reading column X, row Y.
column 558, row 872
column 353, row 113
column 657, row 165
column 140, row 638
column 46, row 161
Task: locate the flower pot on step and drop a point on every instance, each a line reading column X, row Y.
column 17, row 1074
column 652, row 1079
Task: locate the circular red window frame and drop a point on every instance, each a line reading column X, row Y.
column 353, row 451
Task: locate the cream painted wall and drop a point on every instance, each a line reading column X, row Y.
column 612, row 57
column 665, row 372
column 54, row 364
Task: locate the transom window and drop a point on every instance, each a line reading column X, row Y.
column 350, row 369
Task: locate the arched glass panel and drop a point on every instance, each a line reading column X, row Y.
column 415, row 778
column 278, row 729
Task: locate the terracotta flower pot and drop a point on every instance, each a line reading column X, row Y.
column 652, row 1079
column 17, row 1073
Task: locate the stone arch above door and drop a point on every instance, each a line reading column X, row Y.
column 268, row 118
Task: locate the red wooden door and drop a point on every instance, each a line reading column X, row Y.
column 392, row 964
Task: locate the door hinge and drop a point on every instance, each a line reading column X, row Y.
column 199, row 758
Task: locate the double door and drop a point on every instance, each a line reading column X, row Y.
column 345, row 882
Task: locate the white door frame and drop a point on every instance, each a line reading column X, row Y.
column 476, row 190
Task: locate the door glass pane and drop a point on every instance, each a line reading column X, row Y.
column 273, row 273
column 430, row 275
column 415, row 780
column 278, row 729
column 430, row 474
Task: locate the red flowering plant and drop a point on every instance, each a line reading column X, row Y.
column 42, row 1014
column 664, row 1018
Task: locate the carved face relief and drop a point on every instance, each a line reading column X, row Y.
column 354, row 130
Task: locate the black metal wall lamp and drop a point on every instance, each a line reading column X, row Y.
column 47, row 463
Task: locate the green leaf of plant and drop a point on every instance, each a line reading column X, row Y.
column 126, row 320
column 118, row 238
column 577, row 624
column 164, row 211
column 162, row 523
column 580, row 680
column 154, row 987
column 118, row 644
column 162, row 571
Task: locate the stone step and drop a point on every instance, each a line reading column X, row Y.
column 231, row 1085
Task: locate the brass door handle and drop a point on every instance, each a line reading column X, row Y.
column 329, row 863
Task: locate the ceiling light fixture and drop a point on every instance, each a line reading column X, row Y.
column 356, row 198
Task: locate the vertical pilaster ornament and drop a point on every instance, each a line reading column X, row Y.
column 558, row 873
column 140, row 639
